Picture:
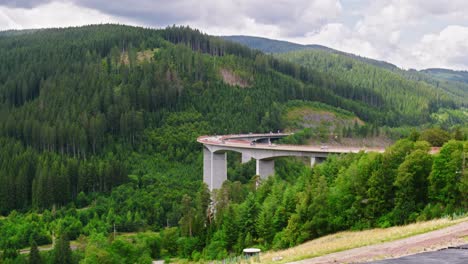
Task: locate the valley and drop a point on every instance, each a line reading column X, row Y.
column 98, row 135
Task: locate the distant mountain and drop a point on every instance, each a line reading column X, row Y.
column 279, row 46
column 17, row 32
column 328, row 60
column 447, row 74
column 272, row 45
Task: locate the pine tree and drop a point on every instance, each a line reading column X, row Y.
column 62, row 251
column 34, row 256
column 411, row 185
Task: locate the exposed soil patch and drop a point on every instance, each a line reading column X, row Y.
column 146, row 55
column 231, row 78
column 124, row 59
column 305, row 117
column 141, row 56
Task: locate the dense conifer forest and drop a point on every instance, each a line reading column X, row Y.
column 98, row 128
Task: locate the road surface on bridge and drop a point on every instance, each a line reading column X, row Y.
column 242, row 141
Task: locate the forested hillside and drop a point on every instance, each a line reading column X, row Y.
column 459, row 76
column 98, row 128
column 279, row 46
column 322, row 58
column 271, row 46
column 405, row 91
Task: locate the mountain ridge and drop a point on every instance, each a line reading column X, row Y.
column 280, row 46
column 268, row 45
column 449, row 81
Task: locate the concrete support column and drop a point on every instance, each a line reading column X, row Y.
column 313, row 161
column 218, row 169
column 316, row 160
column 265, row 168
column 214, row 169
column 207, row 167
column 245, row 157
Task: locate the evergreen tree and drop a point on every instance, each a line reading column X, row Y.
column 411, row 185
column 62, row 251
column 34, row 256
column 446, row 174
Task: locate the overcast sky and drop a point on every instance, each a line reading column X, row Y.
column 409, row 33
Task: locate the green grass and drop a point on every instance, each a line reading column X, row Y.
column 300, row 114
column 354, row 239
column 317, row 106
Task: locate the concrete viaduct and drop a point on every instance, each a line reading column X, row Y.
column 260, row 148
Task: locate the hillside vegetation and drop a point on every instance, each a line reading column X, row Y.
column 312, row 114
column 394, row 89
column 321, row 58
column 98, row 128
column 459, row 76
column 278, row 46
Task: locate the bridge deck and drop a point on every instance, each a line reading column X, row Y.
column 240, row 141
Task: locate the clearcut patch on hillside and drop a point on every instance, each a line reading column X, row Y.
column 330, row 125
column 139, row 56
column 313, row 115
column 231, row 78
column 146, row 55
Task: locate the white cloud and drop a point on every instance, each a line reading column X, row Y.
column 444, row 49
column 406, row 33
column 340, row 37
column 293, row 17
column 53, row 14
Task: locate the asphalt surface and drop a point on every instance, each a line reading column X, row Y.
column 453, row 255
column 241, row 141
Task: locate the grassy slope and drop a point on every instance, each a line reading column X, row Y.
column 354, row 239
column 312, row 114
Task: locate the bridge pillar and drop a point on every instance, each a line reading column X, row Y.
column 316, row 160
column 214, row 169
column 265, row 168
column 313, row 161
column 246, row 157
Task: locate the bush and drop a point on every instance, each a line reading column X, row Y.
column 169, row 237
column 385, row 221
column 436, row 136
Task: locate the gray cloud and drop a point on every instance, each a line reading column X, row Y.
column 23, row 3
column 292, row 17
column 154, row 13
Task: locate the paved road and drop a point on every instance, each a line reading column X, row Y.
column 241, row 141
column 455, row 255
